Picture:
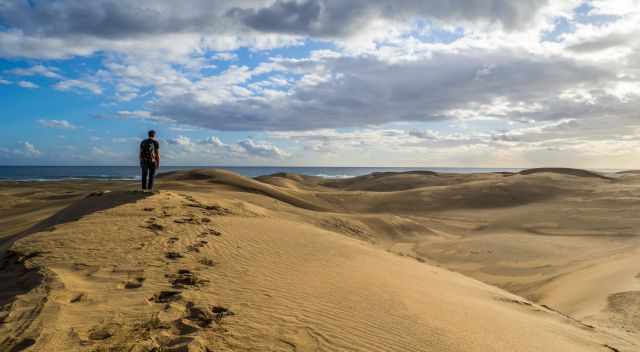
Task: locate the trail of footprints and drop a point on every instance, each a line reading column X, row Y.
column 166, row 331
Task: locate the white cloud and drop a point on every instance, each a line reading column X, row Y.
column 125, row 92
column 63, row 124
column 142, row 115
column 225, row 57
column 4, row 82
column 37, row 70
column 78, row 85
column 183, row 142
column 184, row 149
column 262, row 149
column 23, row 150
column 28, row 85
column 28, row 150
column 215, row 141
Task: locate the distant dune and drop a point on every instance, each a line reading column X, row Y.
column 564, row 171
column 629, row 172
column 540, row 260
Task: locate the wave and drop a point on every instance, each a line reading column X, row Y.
column 335, row 176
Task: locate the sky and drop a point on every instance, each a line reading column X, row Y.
column 459, row 83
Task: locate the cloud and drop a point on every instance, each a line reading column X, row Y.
column 142, row 115
column 262, row 149
column 28, row 150
column 78, row 85
column 175, row 30
column 336, row 18
column 4, row 82
column 37, row 70
column 28, row 85
column 520, row 80
column 225, row 57
column 63, row 124
column 355, row 91
column 182, row 141
column 163, row 28
column 526, row 144
column 215, row 141
column 184, row 149
column 22, row 150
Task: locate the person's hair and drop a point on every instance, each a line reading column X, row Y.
column 152, row 133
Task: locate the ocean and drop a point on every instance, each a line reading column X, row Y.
column 53, row 173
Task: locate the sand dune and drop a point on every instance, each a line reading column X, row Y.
column 563, row 171
column 542, row 261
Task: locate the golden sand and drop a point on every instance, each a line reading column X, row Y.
column 545, row 260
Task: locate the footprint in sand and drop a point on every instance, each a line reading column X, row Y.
column 184, row 221
column 155, row 227
column 183, row 327
column 180, row 343
column 172, row 240
column 166, row 296
column 211, row 209
column 102, row 332
column 210, row 232
column 196, row 246
column 173, row 255
column 78, row 297
column 185, row 279
column 202, row 316
column 135, row 283
column 221, row 312
column 207, row 262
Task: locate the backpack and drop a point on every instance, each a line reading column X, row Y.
column 148, row 152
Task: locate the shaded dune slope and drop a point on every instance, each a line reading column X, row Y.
column 245, row 184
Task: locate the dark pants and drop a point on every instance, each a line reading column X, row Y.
column 148, row 173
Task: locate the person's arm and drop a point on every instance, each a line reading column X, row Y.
column 157, row 154
column 140, row 153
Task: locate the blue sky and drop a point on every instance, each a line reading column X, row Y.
column 322, row 82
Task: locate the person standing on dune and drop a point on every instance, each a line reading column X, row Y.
column 149, row 160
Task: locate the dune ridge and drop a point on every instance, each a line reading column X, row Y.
column 564, row 171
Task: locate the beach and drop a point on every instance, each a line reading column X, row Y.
column 534, row 260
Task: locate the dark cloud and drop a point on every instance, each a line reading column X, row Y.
column 110, row 19
column 119, row 19
column 335, row 18
column 602, row 43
